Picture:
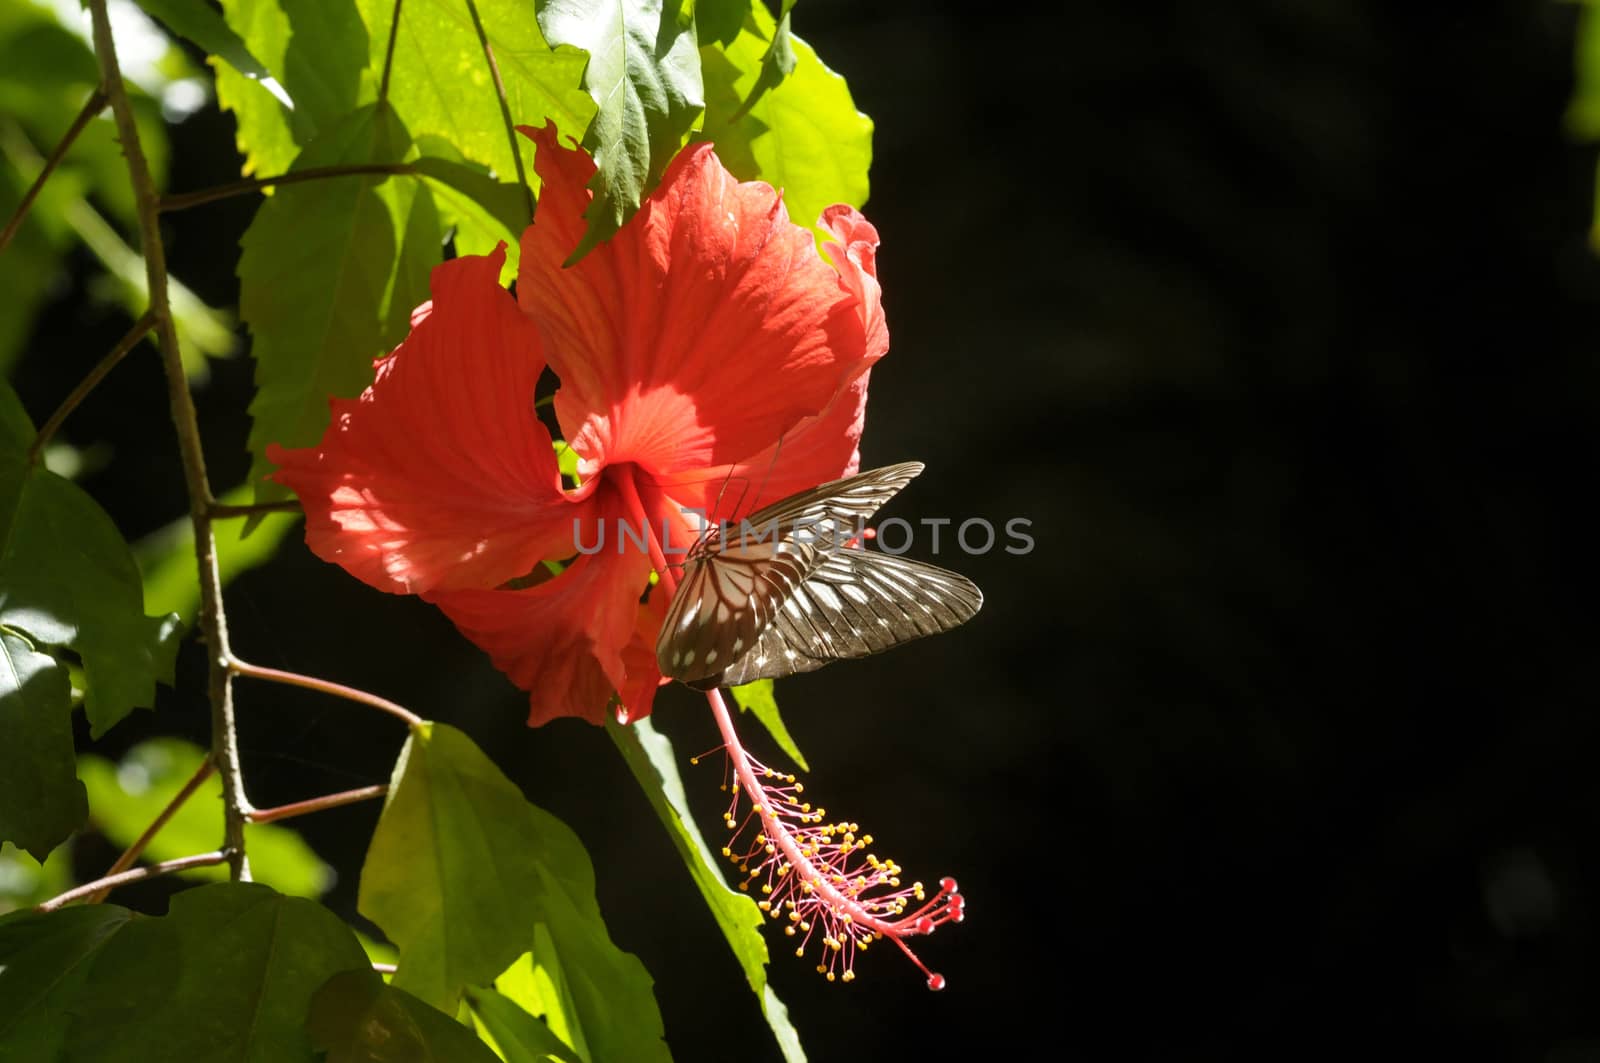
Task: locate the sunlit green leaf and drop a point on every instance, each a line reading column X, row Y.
column 757, row 699
column 199, row 22
column 777, row 63
column 328, row 277
column 227, row 974
column 485, row 212
column 644, row 76
column 449, row 875
column 651, row 759
column 518, row 1036
column 441, row 84
column 166, row 556
column 45, row 958
column 464, row 875
column 378, row 951
column 67, row 579
column 317, row 51
column 126, row 797
column 804, row 136
column 357, row 1018
column 41, row 799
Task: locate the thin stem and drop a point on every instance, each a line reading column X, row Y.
column 185, row 200
column 111, row 882
column 505, row 107
column 213, row 620
column 325, row 686
column 130, row 855
column 129, row 341
column 91, row 107
column 318, row 804
column 222, row 511
column 388, row 55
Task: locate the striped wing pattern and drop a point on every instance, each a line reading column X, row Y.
column 782, row 593
column 856, row 603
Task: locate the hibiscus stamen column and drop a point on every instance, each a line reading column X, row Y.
column 820, row 877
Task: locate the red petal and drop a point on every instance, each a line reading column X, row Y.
column 854, row 251
column 440, row 475
column 568, row 641
column 702, row 330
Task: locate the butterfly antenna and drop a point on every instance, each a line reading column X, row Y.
column 776, row 450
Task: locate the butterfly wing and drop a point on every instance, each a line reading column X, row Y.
column 852, row 604
column 733, row 586
column 829, row 515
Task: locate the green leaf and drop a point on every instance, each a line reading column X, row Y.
column 196, row 21
column 441, row 84
column 448, row 875
column 227, row 974
column 757, row 698
column 805, row 136
column 485, row 212
column 25, row 882
column 328, row 277
column 650, row 757
column 718, row 21
column 357, row 1018
column 518, row 1036
column 464, row 875
column 777, row 63
column 41, row 800
column 126, row 797
column 16, row 427
column 317, row 51
column 644, row 76
column 67, row 579
column 45, row 958
column 166, row 556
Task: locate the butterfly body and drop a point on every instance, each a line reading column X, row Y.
column 787, row 592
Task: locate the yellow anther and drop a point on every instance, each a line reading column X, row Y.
column 766, row 887
column 789, row 930
column 830, row 976
column 849, row 976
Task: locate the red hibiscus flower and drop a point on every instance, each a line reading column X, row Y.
column 706, row 331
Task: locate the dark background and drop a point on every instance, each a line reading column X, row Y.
column 1278, row 321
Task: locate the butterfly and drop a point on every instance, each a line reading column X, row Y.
column 790, row 589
